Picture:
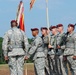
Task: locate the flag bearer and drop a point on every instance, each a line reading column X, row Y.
column 52, row 50
column 45, row 46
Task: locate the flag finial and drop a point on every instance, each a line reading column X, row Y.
column 32, row 3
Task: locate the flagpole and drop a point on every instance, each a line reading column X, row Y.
column 47, row 18
column 26, row 67
column 25, row 62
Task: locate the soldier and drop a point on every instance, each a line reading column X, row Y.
column 60, row 47
column 36, row 51
column 52, row 50
column 45, row 46
column 70, row 47
column 13, row 42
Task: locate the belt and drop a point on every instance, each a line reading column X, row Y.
column 17, row 47
column 70, row 47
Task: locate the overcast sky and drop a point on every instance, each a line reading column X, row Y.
column 60, row 11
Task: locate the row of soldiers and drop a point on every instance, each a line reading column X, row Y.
column 50, row 53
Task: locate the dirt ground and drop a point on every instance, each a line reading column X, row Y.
column 4, row 70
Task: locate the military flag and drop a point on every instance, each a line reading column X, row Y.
column 20, row 16
column 32, row 3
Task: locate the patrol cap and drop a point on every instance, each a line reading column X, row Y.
column 71, row 25
column 59, row 25
column 34, row 29
column 13, row 21
column 43, row 28
column 52, row 27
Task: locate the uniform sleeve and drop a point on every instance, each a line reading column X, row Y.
column 75, row 45
column 5, row 44
column 54, row 44
column 26, row 43
column 46, row 40
column 63, row 42
column 38, row 42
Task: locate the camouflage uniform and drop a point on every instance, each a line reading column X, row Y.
column 45, row 46
column 60, row 63
column 36, row 51
column 12, row 45
column 52, row 53
column 70, row 50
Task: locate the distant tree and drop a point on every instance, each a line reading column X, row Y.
column 30, row 40
column 1, row 52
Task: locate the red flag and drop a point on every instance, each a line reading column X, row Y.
column 32, row 3
column 20, row 16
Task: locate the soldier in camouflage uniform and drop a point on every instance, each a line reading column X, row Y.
column 70, row 48
column 45, row 46
column 36, row 51
column 60, row 47
column 52, row 50
column 12, row 46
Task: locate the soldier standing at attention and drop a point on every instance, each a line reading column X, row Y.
column 12, row 46
column 52, row 50
column 38, row 54
column 70, row 47
column 45, row 46
column 61, row 47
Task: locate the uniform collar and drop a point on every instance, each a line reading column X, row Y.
column 71, row 33
column 61, row 33
column 55, row 35
column 35, row 37
column 14, row 28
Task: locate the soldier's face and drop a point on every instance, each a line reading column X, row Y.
column 33, row 33
column 59, row 29
column 43, row 31
column 13, row 24
column 53, row 31
column 70, row 29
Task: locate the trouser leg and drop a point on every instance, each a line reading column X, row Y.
column 47, row 71
column 54, row 65
column 13, row 66
column 20, row 65
column 73, row 64
column 39, row 66
column 62, row 65
column 35, row 70
column 65, row 62
column 59, row 66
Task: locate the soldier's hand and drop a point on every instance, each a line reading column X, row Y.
column 74, row 57
column 58, row 47
column 64, row 58
column 26, row 58
column 49, row 46
column 6, row 58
